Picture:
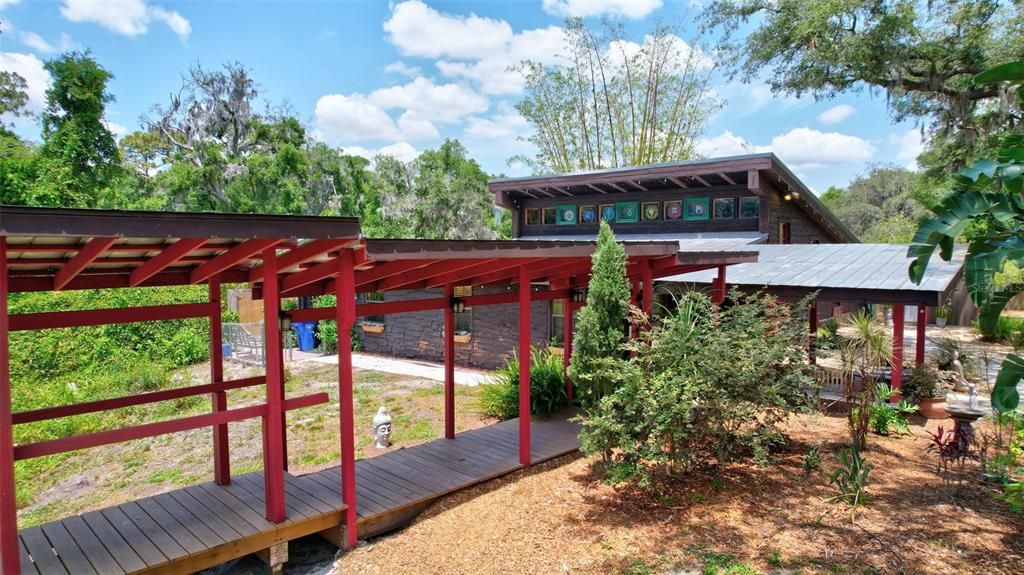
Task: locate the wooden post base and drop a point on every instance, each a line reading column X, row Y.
column 275, row 557
column 335, row 536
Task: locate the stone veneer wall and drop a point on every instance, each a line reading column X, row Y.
column 417, row 335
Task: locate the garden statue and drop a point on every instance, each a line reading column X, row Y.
column 382, row 428
column 972, row 400
column 958, row 368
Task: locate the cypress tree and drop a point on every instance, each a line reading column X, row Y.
column 601, row 326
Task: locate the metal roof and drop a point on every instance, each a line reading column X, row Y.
column 873, row 272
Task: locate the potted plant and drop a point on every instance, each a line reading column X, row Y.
column 924, row 389
column 942, row 314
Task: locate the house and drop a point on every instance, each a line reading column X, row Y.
column 707, row 206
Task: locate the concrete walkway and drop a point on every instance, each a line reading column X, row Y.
column 408, row 367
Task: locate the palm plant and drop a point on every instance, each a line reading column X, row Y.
column 867, row 349
column 986, row 199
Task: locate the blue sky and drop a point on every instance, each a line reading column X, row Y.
column 398, row 77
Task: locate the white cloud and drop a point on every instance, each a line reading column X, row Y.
column 401, row 150
column 402, row 68
column 801, row 148
column 118, row 130
column 6, row 3
column 481, row 50
column 836, row 114
column 37, row 81
column 747, row 98
column 696, row 58
column 340, row 117
column 128, row 18
column 412, row 127
column 39, row 44
column 722, row 145
column 911, row 145
column 444, row 103
column 634, row 9
column 505, row 125
column 418, row 30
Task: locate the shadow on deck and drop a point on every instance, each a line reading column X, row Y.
column 197, row 527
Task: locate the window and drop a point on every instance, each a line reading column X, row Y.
column 372, row 297
column 784, row 237
column 464, row 319
column 557, row 322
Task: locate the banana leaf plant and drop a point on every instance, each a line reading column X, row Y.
column 986, row 192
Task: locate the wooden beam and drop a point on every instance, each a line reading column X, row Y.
column 726, row 177
column 308, row 276
column 702, row 181
column 754, row 182
column 300, row 254
column 92, row 317
column 85, row 256
column 171, row 254
column 617, row 187
column 595, row 188
column 387, row 269
column 637, row 184
column 678, row 182
column 231, row 257
column 563, row 191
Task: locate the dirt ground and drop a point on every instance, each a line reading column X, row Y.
column 560, row 518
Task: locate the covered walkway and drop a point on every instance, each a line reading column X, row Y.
column 281, row 256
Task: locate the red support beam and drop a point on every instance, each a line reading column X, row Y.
column 346, row 317
column 308, row 276
column 388, row 269
column 218, row 399
column 10, row 558
column 922, row 324
column 97, row 439
column 115, row 278
column 545, row 266
column 524, row 365
column 171, row 254
column 449, row 363
column 812, row 332
column 567, row 311
column 718, row 289
column 410, row 278
column 83, row 258
column 647, row 295
column 273, row 440
column 897, row 349
column 138, row 399
column 84, row 318
column 233, row 257
column 464, row 276
column 300, row 254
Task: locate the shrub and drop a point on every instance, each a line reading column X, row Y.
column 827, row 335
column 886, row 418
column 500, row 398
column 601, row 325
column 703, row 385
column 923, row 383
column 850, row 479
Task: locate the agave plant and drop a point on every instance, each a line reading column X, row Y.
column 987, row 192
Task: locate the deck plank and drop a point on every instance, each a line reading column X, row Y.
column 27, row 566
column 247, row 485
column 70, row 555
column 202, row 511
column 204, row 534
column 42, row 551
column 156, row 532
column 239, row 507
column 92, row 547
column 214, row 513
column 176, row 529
column 123, row 553
column 135, row 537
column 418, row 489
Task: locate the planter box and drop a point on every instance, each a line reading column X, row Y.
column 464, row 338
column 372, row 327
column 933, row 408
column 556, row 350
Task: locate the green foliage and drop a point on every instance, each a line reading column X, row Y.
column 702, row 385
column 850, row 479
column 922, row 55
column 812, row 458
column 923, row 383
column 1005, row 330
column 604, row 106
column 879, row 207
column 988, row 191
column 827, row 334
column 601, row 325
column 724, row 564
column 886, row 418
column 500, row 398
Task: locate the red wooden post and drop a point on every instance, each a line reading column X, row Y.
column 273, row 441
column 449, row 363
column 922, row 323
column 221, row 453
column 568, row 306
column 812, row 331
column 346, row 316
column 10, row 560
column 524, row 365
column 718, row 287
column 648, row 288
column 897, row 348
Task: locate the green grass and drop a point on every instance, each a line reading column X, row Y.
column 724, row 564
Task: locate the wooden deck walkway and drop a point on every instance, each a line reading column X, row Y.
column 197, row 527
